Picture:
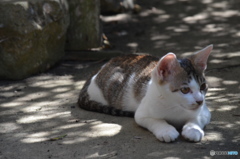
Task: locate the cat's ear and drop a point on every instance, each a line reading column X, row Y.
column 200, row 58
column 167, row 66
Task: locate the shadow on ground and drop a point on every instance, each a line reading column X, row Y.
column 42, row 108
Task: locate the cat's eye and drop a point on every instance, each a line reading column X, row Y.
column 185, row 90
column 203, row 87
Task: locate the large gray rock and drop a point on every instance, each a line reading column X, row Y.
column 32, row 36
column 84, row 31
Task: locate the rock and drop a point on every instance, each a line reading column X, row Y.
column 32, row 36
column 84, row 31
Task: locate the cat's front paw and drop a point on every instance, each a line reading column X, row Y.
column 168, row 134
column 192, row 133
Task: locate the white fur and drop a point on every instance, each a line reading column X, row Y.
column 187, row 101
column 129, row 101
column 117, row 75
column 161, row 107
column 95, row 93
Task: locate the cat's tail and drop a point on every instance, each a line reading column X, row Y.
column 85, row 103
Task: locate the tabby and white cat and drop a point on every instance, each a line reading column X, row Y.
column 163, row 95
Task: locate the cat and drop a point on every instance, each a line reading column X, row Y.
column 163, row 95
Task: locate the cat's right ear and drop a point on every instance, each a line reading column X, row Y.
column 167, row 66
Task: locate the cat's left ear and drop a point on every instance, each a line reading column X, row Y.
column 200, row 58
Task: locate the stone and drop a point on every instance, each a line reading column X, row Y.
column 32, row 36
column 84, row 31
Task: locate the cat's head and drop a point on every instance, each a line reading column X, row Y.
column 183, row 80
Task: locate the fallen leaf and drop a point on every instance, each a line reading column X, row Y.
column 58, row 138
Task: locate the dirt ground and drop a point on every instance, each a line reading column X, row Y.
column 39, row 118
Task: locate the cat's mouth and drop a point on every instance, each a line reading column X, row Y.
column 192, row 107
column 195, row 106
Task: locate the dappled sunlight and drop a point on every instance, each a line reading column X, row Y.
column 237, row 34
column 36, row 137
column 133, row 46
column 217, row 61
column 106, row 129
column 179, row 26
column 162, row 18
column 195, row 18
column 213, row 136
column 40, row 110
column 50, row 85
column 8, row 127
column 186, row 54
column 226, row 124
column 220, row 5
column 97, row 129
column 212, row 28
column 152, row 11
column 215, row 82
column 34, row 96
column 70, row 126
column 40, row 114
column 225, row 108
column 34, row 108
column 79, row 84
column 38, row 100
column 9, row 105
column 114, row 18
column 158, row 154
column 160, row 14
column 226, row 14
column 236, row 139
column 76, row 140
column 225, row 59
column 160, row 37
column 63, row 81
column 106, row 155
column 222, row 102
column 40, row 118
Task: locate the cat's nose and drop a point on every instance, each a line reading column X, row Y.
column 199, row 102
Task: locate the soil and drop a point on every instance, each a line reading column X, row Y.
column 39, row 118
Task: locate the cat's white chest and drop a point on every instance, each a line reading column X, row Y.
column 161, row 107
column 179, row 117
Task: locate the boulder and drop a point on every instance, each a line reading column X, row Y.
column 84, row 31
column 32, row 36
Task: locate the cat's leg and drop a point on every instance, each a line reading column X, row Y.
column 160, row 128
column 192, row 132
column 193, row 129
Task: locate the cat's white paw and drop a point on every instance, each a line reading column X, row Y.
column 167, row 134
column 192, row 133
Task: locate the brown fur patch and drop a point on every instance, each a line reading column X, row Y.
column 191, row 70
column 114, row 88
